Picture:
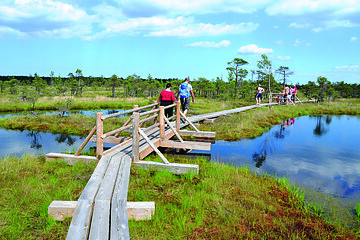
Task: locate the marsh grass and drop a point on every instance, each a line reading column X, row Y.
column 12, row 104
column 224, row 202
column 27, row 187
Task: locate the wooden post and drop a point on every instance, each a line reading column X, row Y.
column 99, row 133
column 162, row 122
column 177, row 116
column 136, row 137
column 155, row 119
column 294, row 97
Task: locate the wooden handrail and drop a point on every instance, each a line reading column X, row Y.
column 128, row 111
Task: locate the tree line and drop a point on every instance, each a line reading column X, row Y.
column 239, row 84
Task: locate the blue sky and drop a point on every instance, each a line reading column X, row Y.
column 175, row 39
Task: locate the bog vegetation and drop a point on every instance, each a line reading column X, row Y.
column 239, row 84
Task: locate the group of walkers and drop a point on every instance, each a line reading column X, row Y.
column 185, row 92
column 167, row 97
column 287, row 96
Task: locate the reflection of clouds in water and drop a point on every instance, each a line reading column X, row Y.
column 328, row 170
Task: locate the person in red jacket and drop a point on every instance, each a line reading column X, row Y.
column 167, row 98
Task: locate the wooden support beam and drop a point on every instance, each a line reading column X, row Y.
column 178, row 116
column 186, row 145
column 153, row 146
column 86, row 141
column 199, row 134
column 173, row 129
column 59, row 210
column 69, row 158
column 176, row 168
column 191, row 124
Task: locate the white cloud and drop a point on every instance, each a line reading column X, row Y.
column 44, row 17
column 335, row 24
column 353, row 39
column 350, row 68
column 296, row 7
column 283, row 58
column 224, row 43
column 253, row 49
column 299, row 25
column 205, row 29
column 301, row 43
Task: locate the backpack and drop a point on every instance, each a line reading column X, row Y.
column 184, row 93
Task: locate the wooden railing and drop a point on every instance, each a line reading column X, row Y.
column 136, row 121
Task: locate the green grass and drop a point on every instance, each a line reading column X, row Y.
column 27, row 187
column 224, row 202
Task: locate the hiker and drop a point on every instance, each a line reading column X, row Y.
column 258, row 96
column 185, row 92
column 166, row 98
column 293, row 93
column 287, row 95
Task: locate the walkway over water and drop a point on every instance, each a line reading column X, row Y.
column 101, row 210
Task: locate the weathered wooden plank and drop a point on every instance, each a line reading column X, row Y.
column 186, row 133
column 119, row 228
column 175, row 168
column 69, row 158
column 140, row 210
column 186, row 145
column 101, row 214
column 59, row 210
column 79, row 226
column 80, row 223
column 100, row 221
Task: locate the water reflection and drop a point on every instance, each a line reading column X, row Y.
column 31, row 142
column 320, row 152
column 322, row 128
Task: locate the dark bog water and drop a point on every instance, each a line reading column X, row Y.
column 320, row 154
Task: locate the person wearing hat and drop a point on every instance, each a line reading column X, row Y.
column 166, row 98
column 185, row 92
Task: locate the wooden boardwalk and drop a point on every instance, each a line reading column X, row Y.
column 101, row 210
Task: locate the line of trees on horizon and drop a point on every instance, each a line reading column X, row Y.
column 238, row 85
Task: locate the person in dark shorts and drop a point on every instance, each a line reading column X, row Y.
column 166, row 98
column 185, row 92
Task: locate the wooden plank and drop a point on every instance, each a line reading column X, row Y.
column 119, row 228
column 79, row 226
column 101, row 214
column 186, row 133
column 175, row 168
column 59, row 210
column 186, row 145
column 100, row 221
column 162, row 122
column 140, row 210
column 80, row 223
column 69, row 158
